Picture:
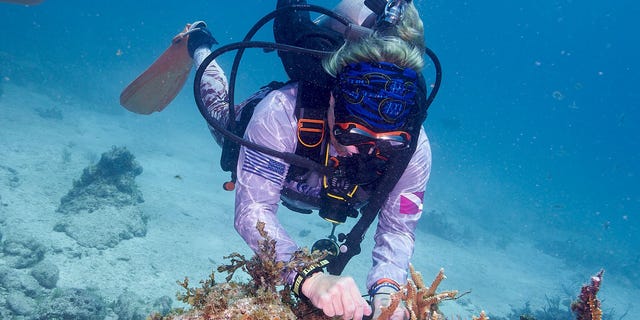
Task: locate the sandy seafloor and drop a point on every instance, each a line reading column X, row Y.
column 190, row 226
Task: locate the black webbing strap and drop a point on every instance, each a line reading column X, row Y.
column 311, row 112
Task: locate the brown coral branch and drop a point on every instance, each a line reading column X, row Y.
column 587, row 306
column 387, row 311
column 416, row 277
column 424, row 308
column 594, row 306
column 421, row 302
column 482, row 316
column 446, row 295
column 436, row 282
column 411, row 301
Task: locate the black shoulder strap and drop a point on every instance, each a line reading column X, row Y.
column 311, row 111
column 295, row 27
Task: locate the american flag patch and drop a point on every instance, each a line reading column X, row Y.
column 261, row 165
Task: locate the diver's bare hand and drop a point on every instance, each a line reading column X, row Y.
column 336, row 296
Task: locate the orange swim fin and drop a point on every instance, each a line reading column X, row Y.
column 157, row 86
column 25, row 2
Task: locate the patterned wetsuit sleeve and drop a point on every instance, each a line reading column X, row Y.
column 394, row 236
column 214, row 91
column 260, row 176
column 214, row 88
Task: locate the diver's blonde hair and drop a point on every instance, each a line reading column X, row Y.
column 405, row 50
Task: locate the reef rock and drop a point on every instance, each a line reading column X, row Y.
column 101, row 209
column 23, row 253
column 72, row 303
column 130, row 306
column 46, row 273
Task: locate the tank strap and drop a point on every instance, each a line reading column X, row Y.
column 311, row 111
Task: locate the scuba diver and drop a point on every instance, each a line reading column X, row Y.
column 356, row 112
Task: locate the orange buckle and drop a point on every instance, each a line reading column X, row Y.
column 313, row 130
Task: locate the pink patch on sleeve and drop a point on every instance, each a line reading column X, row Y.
column 411, row 203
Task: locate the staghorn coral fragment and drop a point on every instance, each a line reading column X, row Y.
column 482, row 316
column 445, row 295
column 429, row 304
column 436, row 282
column 387, row 311
column 587, row 306
column 411, row 301
column 417, row 277
column 420, row 301
column 428, row 298
column 594, row 306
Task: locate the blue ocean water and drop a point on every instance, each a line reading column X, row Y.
column 542, row 96
column 534, row 132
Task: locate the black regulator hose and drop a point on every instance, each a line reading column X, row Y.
column 256, row 27
column 436, row 84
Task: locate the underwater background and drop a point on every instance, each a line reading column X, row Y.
column 535, row 137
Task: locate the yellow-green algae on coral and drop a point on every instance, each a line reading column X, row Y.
column 263, row 297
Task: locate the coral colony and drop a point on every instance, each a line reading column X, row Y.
column 265, row 297
column 421, row 301
column 587, row 306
